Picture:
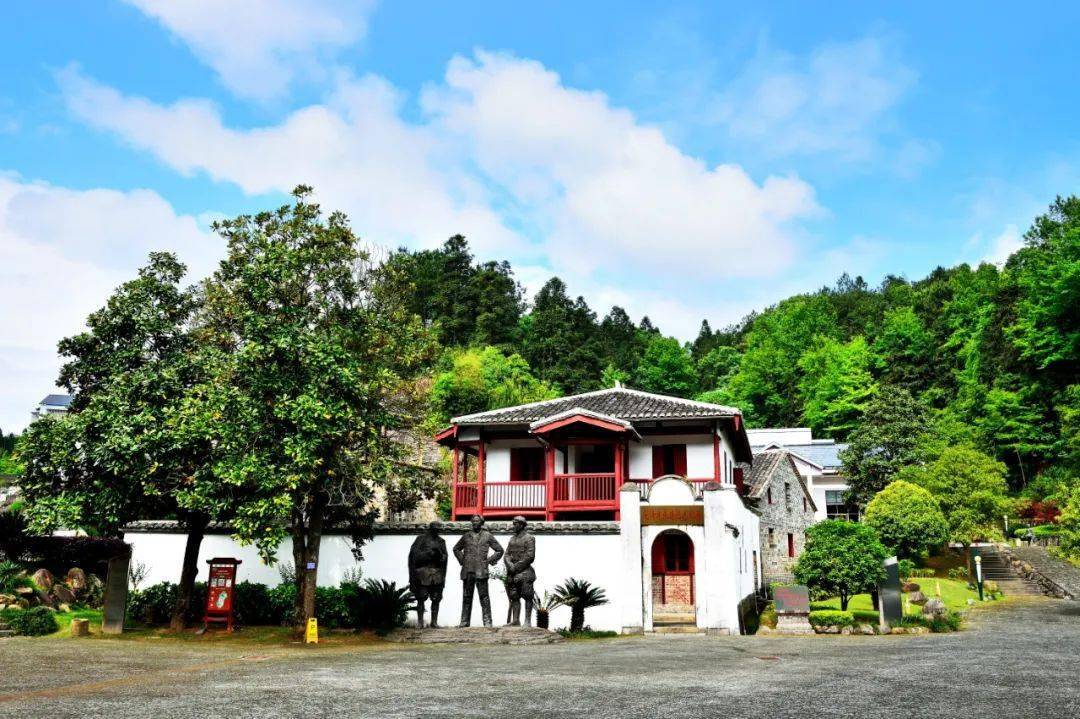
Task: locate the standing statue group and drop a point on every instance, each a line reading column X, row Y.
column 427, row 570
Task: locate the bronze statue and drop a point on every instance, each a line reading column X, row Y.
column 427, row 572
column 472, row 553
column 520, row 575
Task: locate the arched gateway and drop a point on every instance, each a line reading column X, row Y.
column 673, row 590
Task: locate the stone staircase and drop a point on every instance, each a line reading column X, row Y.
column 675, row 619
column 1055, row 576
column 6, row 630
column 997, row 568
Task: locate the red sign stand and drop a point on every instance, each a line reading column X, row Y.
column 219, row 592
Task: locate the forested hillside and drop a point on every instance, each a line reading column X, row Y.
column 989, row 355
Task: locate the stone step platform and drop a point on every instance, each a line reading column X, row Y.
column 676, row 629
column 660, row 618
column 474, row 635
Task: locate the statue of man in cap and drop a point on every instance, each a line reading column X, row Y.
column 520, row 575
column 427, row 572
column 472, row 554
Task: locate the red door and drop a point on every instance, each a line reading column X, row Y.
column 673, row 569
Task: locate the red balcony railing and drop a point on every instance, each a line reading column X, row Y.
column 585, row 490
column 515, row 495
column 466, row 497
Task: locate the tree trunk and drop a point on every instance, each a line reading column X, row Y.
column 843, row 601
column 196, row 526
column 577, row 619
column 306, row 540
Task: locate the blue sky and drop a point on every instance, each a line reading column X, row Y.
column 684, row 160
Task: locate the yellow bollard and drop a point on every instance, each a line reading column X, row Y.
column 311, row 636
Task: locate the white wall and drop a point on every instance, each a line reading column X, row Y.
column 593, row 557
column 780, row 435
column 699, row 455
column 820, row 483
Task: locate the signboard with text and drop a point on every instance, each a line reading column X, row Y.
column 221, row 585
column 794, row 599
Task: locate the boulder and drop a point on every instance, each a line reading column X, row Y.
column 76, row 579
column 24, row 591
column 935, row 608
column 80, row 627
column 22, row 603
column 863, row 629
column 43, row 578
column 8, row 598
column 845, row 630
column 917, row 598
column 63, row 594
column 909, row 587
column 44, row 599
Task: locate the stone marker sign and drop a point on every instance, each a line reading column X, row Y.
column 792, row 604
column 891, row 609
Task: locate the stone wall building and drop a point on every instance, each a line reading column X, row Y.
column 779, row 493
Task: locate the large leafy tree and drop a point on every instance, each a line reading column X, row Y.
column 116, row 457
column 312, row 350
column 841, row 559
column 621, row 343
column 907, row 519
column 560, row 341
column 666, row 368
column 971, row 489
column 836, row 385
column 483, row 379
column 886, row 441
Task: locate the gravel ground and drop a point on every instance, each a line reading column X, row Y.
column 1016, row 659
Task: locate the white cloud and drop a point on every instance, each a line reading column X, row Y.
column 64, row 252
column 258, row 47
column 837, row 101
column 604, row 187
column 1006, row 243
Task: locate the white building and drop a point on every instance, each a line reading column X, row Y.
column 52, row 405
column 818, row 461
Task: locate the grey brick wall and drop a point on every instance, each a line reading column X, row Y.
column 785, row 515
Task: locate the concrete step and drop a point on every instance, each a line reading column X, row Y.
column 677, row 629
column 674, row 618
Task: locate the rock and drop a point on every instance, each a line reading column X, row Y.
column 765, row 630
column 24, row 591
column 63, row 594
column 935, row 608
column 43, row 578
column 80, row 627
column 863, row 629
column 76, row 579
column 44, row 598
column 910, row 587
column 8, row 598
column 971, row 602
column 845, row 630
column 917, row 598
column 886, row 630
column 918, row 630
column 22, row 603
column 474, row 635
column 1026, row 568
column 65, row 608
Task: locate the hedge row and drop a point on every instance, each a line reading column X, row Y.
column 831, row 618
column 371, row 605
column 33, row 622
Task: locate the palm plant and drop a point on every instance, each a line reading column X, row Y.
column 544, row 605
column 12, row 577
column 579, row 595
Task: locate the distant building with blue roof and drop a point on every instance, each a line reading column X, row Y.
column 818, row 461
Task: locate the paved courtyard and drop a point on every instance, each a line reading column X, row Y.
column 1018, row 660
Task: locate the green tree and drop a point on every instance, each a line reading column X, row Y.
column 579, row 595
column 904, row 349
column 716, row 368
column 621, row 343
column 970, row 488
column 483, row 379
column 116, row 457
column 560, row 341
column 835, row 385
column 886, row 441
column 312, row 350
column 842, row 559
column 666, row 368
column 1069, row 522
column 908, row 519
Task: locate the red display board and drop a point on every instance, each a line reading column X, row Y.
column 219, row 592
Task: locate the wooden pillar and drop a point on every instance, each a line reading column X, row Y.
column 454, row 461
column 620, row 472
column 549, row 480
column 481, row 476
column 716, row 456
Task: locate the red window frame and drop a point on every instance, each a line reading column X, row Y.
column 669, row 459
column 790, row 544
column 526, row 464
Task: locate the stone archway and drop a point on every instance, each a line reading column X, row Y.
column 674, row 597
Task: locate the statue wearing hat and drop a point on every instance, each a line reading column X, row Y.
column 472, row 554
column 427, row 572
column 520, row 575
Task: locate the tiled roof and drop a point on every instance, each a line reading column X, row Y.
column 57, row 400
column 620, row 402
column 764, row 467
column 824, row 454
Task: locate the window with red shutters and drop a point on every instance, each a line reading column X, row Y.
column 669, row 459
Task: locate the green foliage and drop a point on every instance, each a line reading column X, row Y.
column 885, row 442
column 666, row 368
column 483, row 379
column 905, row 567
column 841, row 558
column 836, row 385
column 33, row 622
column 561, row 341
column 579, row 595
column 831, row 618
column 380, row 605
column 908, row 520
column 863, row 616
column 1069, row 522
column 8, row 464
column 970, row 488
column 13, row 576
column 716, row 368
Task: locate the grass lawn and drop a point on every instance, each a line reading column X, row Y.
column 954, row 593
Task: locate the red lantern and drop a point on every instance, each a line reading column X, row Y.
column 219, row 592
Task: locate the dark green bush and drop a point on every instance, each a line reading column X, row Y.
column 960, row 574
column 906, row 567
column 865, row 616
column 1040, row 531
column 12, row 577
column 33, row 622
column 380, row 605
column 831, row 617
column 939, row 625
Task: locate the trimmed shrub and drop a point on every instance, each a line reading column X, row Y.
column 33, row 622
column 908, row 519
column 922, row 572
column 865, row 616
column 960, row 574
column 1039, row 531
column 831, row 618
column 905, row 567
